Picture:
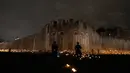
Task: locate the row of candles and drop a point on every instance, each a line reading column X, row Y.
column 103, row 51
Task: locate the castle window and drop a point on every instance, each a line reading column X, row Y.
column 70, row 20
column 77, row 22
column 63, row 21
column 54, row 23
column 61, row 33
column 53, row 33
column 75, row 33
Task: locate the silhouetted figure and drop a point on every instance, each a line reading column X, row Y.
column 78, row 50
column 92, row 51
column 54, row 49
column 9, row 50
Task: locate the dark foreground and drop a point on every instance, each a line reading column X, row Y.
column 45, row 63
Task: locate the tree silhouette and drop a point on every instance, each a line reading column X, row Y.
column 113, row 32
column 100, row 30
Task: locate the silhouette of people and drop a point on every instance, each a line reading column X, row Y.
column 54, row 49
column 78, row 50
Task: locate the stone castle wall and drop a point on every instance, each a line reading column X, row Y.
column 66, row 33
column 114, row 43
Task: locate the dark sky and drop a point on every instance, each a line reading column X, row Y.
column 23, row 17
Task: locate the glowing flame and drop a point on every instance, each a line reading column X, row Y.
column 74, row 70
column 90, row 58
column 67, row 65
column 67, row 54
column 61, row 52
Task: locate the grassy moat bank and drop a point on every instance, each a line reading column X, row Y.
column 44, row 62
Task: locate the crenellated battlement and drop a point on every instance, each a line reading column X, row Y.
column 64, row 25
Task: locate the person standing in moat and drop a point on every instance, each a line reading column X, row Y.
column 54, row 49
column 78, row 50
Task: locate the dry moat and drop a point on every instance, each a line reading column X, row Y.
column 44, row 62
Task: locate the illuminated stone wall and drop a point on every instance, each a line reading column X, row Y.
column 28, row 42
column 114, row 43
column 66, row 33
column 3, row 45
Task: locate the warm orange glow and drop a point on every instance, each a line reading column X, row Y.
column 67, row 54
column 67, row 66
column 74, row 70
column 71, row 52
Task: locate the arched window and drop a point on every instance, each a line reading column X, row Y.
column 77, row 22
column 71, row 20
column 61, row 33
column 54, row 24
column 53, row 33
column 63, row 22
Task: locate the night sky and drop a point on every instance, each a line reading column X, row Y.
column 24, row 17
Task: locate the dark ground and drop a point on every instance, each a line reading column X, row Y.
column 45, row 63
